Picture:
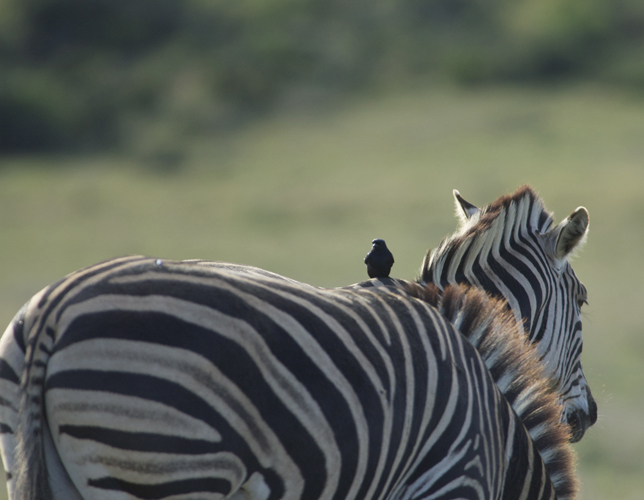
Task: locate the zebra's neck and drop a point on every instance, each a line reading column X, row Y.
column 515, row 367
column 520, row 215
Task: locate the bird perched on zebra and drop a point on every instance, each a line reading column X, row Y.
column 144, row 378
column 379, row 260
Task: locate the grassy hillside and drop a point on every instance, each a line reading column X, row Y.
column 304, row 194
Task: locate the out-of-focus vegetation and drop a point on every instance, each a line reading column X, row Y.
column 86, row 74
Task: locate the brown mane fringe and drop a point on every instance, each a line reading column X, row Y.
column 490, row 212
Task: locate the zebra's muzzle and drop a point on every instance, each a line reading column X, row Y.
column 579, row 420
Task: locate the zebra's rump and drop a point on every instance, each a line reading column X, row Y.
column 183, row 380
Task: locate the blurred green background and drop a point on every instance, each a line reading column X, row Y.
column 288, row 134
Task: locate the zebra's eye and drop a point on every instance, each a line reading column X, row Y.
column 581, row 302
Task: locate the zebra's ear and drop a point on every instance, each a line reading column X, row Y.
column 569, row 234
column 464, row 209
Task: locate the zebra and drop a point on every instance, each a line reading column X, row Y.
column 15, row 344
column 511, row 249
column 144, row 378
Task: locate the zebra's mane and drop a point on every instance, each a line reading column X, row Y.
column 522, row 208
column 515, row 367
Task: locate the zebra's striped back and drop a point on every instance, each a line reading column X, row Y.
column 184, row 380
column 511, row 250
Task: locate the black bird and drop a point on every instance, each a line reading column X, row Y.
column 379, row 260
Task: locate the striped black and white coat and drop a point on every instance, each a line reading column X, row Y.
column 141, row 378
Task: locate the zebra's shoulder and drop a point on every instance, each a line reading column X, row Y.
column 515, row 367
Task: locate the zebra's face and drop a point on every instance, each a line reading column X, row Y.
column 557, row 332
